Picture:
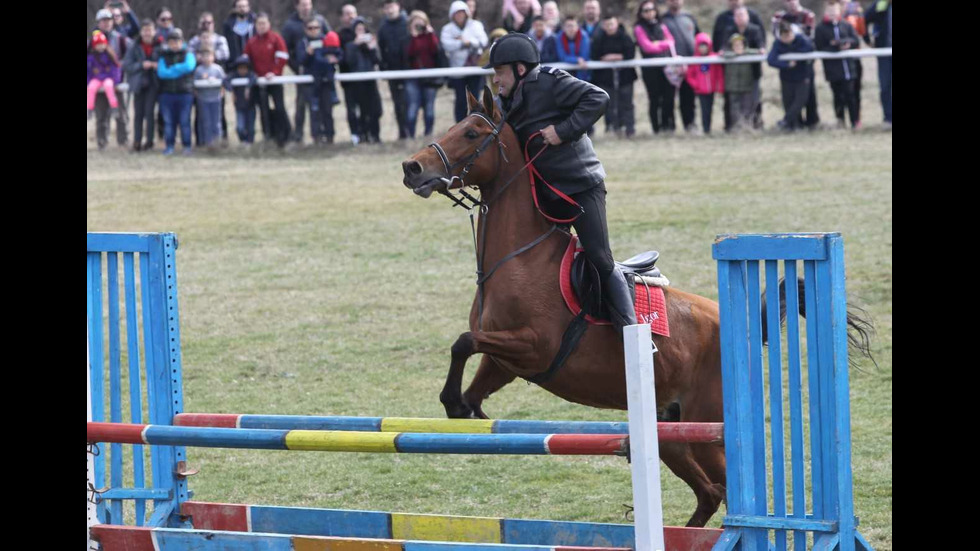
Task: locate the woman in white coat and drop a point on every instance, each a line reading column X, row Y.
column 463, row 40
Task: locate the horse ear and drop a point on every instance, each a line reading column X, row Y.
column 472, row 103
column 490, row 106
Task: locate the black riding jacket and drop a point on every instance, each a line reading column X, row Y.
column 552, row 96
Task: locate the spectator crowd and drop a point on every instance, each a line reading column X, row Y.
column 160, row 66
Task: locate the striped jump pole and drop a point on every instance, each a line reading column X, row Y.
column 377, row 442
column 135, row 538
column 695, row 433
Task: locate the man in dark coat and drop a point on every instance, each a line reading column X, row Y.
column 683, row 27
column 806, row 21
column 879, row 16
column 726, row 19
column 293, row 32
column 611, row 42
column 238, row 28
column 836, row 35
column 755, row 37
column 563, row 108
column 348, row 13
column 393, row 39
column 591, row 20
column 140, row 65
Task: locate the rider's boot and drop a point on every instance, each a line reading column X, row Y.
column 618, row 301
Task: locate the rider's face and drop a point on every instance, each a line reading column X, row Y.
column 503, row 77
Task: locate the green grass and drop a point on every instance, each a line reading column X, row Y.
column 313, row 282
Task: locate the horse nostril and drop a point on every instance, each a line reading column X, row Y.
column 412, row 168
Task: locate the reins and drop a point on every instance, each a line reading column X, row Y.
column 484, row 209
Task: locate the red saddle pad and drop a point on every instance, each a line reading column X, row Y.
column 650, row 304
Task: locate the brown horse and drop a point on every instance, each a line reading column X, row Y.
column 524, row 315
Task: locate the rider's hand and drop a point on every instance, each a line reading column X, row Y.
column 549, row 135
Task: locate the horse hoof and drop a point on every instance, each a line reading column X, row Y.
column 459, row 411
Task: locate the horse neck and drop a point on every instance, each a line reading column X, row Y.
column 512, row 220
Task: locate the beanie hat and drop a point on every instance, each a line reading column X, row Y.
column 332, row 40
column 99, row 38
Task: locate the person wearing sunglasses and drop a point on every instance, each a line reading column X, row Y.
column 218, row 44
column 294, row 30
column 123, row 18
column 165, row 23
column 207, row 38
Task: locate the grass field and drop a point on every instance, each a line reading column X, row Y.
column 313, row 282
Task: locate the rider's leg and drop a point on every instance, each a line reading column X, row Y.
column 593, row 233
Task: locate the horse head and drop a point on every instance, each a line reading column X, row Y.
column 458, row 159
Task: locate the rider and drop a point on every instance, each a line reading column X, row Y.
column 563, row 108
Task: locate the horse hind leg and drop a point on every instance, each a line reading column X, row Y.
column 680, row 459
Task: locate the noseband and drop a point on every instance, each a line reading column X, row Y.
column 450, row 178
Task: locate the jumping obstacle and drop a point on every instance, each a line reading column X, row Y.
column 668, row 432
column 377, row 442
column 176, row 522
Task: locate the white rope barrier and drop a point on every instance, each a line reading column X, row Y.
column 452, row 72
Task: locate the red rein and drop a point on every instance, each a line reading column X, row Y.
column 532, row 172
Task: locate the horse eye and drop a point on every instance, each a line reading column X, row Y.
column 471, row 134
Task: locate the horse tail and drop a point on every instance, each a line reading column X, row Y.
column 860, row 327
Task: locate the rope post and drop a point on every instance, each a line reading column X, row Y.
column 641, row 397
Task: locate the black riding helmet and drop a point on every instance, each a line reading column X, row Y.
column 511, row 49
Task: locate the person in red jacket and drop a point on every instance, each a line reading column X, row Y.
column 705, row 78
column 422, row 52
column 269, row 55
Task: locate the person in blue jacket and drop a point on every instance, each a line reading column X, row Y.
column 175, row 71
column 573, row 46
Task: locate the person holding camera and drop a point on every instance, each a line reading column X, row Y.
column 834, row 34
column 423, row 51
column 123, row 19
column 294, row 33
column 318, row 57
column 463, row 39
column 361, row 55
column 393, row 37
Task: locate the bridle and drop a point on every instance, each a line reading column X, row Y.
column 470, row 160
column 450, row 179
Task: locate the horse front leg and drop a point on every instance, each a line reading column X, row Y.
column 452, row 392
column 513, row 345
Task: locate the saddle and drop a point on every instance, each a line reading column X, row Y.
column 585, row 278
column 582, row 289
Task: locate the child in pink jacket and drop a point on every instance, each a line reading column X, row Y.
column 705, row 78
